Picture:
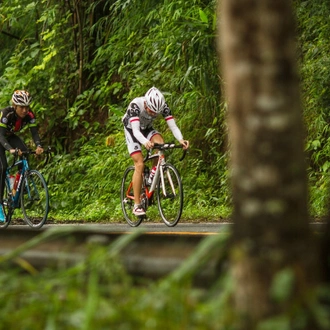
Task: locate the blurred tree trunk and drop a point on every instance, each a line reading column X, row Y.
column 271, row 237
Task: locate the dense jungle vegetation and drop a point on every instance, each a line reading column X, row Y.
column 84, row 61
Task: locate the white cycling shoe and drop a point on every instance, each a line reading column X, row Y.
column 138, row 210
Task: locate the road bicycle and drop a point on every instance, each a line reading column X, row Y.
column 26, row 190
column 166, row 185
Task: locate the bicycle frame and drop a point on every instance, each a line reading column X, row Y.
column 25, row 167
column 159, row 172
column 149, row 192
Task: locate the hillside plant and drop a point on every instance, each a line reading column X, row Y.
column 84, row 61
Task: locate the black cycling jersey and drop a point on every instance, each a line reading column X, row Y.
column 11, row 123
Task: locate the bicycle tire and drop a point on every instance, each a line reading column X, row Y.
column 7, row 206
column 170, row 204
column 127, row 204
column 34, row 199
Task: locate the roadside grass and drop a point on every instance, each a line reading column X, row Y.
column 97, row 293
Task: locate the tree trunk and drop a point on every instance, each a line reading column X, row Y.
column 271, row 233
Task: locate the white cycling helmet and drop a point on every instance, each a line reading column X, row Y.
column 155, row 100
column 22, row 98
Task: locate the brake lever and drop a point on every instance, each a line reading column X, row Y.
column 183, row 155
column 48, row 155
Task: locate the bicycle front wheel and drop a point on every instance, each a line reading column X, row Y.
column 7, row 206
column 34, row 199
column 127, row 198
column 170, row 195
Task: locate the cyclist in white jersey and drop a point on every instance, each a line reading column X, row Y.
column 138, row 120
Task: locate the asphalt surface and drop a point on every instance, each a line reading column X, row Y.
column 155, row 227
column 198, row 228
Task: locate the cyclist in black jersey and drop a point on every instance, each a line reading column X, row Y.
column 12, row 120
column 138, row 126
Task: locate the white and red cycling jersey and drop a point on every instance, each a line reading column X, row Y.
column 138, row 124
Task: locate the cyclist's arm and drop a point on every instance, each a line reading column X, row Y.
column 3, row 139
column 176, row 132
column 35, row 135
column 36, row 139
column 135, row 123
column 174, row 128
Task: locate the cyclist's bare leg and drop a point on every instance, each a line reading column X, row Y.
column 157, row 138
column 137, row 176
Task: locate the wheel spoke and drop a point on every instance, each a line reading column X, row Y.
column 7, row 206
column 170, row 195
column 34, row 199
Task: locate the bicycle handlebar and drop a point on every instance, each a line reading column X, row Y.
column 164, row 146
column 29, row 152
column 167, row 146
column 47, row 151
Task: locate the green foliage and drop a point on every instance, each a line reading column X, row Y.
column 97, row 293
column 98, row 173
column 84, row 61
column 314, row 40
column 283, row 285
column 97, row 196
column 36, row 62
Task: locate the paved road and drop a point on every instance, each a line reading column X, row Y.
column 158, row 227
column 200, row 228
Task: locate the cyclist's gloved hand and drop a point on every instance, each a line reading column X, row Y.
column 148, row 145
column 185, row 144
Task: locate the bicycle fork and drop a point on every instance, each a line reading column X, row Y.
column 160, row 172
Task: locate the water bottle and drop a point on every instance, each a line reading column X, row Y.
column 11, row 182
column 18, row 174
column 152, row 174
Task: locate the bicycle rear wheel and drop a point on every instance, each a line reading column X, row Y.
column 127, row 198
column 34, row 199
column 170, row 196
column 7, row 206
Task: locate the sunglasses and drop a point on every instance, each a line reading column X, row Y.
column 150, row 112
